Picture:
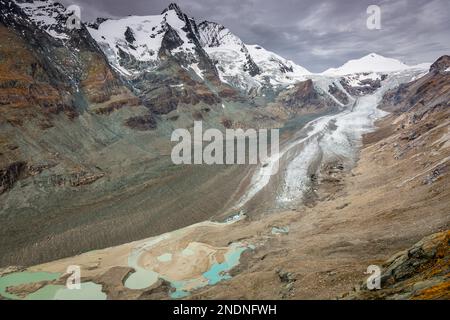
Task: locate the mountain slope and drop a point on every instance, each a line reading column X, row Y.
column 69, row 61
column 80, row 155
column 396, row 195
column 85, row 145
column 162, row 58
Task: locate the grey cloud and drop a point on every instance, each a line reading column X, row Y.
column 317, row 34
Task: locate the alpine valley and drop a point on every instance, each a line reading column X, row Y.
column 86, row 177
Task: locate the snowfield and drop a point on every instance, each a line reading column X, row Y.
column 46, row 15
column 371, row 63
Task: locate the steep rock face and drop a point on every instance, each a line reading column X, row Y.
column 138, row 44
column 60, row 69
column 233, row 60
column 430, row 92
column 304, row 93
column 28, row 88
column 442, row 65
column 336, row 92
column 10, row 174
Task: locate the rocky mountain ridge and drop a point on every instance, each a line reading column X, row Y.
column 143, row 40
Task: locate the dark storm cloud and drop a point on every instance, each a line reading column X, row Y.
column 317, row 34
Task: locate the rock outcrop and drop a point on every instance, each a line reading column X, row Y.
column 421, row 272
column 442, row 65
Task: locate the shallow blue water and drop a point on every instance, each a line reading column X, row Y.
column 88, row 290
column 18, row 278
column 218, row 271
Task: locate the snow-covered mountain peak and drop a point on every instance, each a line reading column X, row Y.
column 174, row 7
column 47, row 15
column 372, row 62
column 140, row 38
column 246, row 66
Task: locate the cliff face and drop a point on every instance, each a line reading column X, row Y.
column 162, row 58
column 303, row 95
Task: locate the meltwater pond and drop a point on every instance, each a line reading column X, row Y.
column 20, row 278
column 217, row 271
column 88, row 290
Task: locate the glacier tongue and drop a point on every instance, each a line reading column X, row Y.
column 323, row 140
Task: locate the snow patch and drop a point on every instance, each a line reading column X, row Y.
column 197, row 70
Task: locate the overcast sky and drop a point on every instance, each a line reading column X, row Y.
column 316, row 34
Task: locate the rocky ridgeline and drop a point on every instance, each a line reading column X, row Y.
column 422, row 107
column 362, row 84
